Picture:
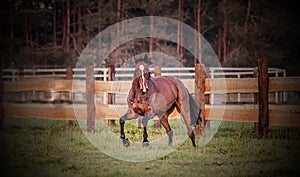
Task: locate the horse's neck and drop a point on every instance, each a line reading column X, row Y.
column 135, row 91
column 152, row 85
column 135, row 86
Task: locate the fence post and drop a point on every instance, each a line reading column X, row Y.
column 284, row 93
column 157, row 72
column 20, row 74
column 212, row 76
column 89, row 71
column 263, row 90
column 111, row 96
column 69, row 76
column 255, row 98
column 200, row 76
column 1, row 101
column 69, row 73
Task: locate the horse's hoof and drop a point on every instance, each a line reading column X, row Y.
column 146, row 144
column 126, row 142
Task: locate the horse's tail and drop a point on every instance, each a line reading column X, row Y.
column 193, row 105
column 194, row 111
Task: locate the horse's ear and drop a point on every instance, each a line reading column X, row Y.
column 137, row 60
column 147, row 59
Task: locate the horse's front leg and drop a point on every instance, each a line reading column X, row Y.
column 129, row 115
column 145, row 120
column 145, row 134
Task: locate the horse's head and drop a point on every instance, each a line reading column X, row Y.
column 142, row 76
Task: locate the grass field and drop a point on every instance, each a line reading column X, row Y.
column 33, row 147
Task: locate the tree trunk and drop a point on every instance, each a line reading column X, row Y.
column 181, row 47
column 79, row 20
column 179, row 31
column 54, row 23
column 30, row 34
column 199, row 31
column 28, row 7
column 63, row 41
column 195, row 35
column 151, row 29
column 27, row 32
column 224, row 33
column 124, row 4
column 37, row 38
column 118, row 17
column 74, row 26
column 64, row 24
column 68, row 25
column 99, row 17
column 118, row 26
column 247, row 17
column 99, row 30
column 11, row 29
column 220, row 39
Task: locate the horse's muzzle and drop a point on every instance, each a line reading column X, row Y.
column 144, row 91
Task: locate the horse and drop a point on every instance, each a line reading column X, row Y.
column 158, row 96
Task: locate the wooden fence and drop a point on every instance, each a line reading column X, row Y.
column 262, row 113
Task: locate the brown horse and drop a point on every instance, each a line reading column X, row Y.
column 159, row 96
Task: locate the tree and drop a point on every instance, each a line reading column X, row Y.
column 54, row 23
column 55, row 32
column 68, row 26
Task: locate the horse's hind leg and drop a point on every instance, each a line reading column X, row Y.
column 191, row 134
column 185, row 113
column 192, row 137
column 125, row 141
column 165, row 123
column 190, row 130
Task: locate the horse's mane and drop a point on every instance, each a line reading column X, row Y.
column 146, row 61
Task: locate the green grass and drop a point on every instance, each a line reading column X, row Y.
column 32, row 147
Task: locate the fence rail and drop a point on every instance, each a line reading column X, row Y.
column 212, row 86
column 279, row 115
column 127, row 73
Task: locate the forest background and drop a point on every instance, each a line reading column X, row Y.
column 53, row 33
